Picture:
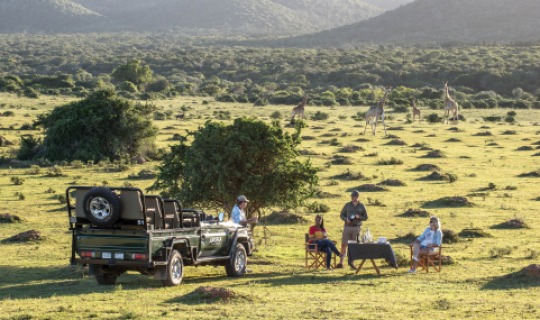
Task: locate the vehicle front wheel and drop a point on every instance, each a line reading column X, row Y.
column 236, row 266
column 175, row 269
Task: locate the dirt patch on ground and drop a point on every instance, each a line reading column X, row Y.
column 453, row 140
column 525, row 148
column 9, row 218
column 30, row 235
column 392, row 183
column 371, row 188
column 453, row 202
column 283, row 217
column 416, row 213
column 427, row 167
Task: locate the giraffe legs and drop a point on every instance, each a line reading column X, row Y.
column 384, row 126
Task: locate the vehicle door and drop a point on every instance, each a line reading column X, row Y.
column 213, row 237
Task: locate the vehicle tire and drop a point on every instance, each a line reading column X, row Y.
column 102, row 278
column 175, row 270
column 236, row 266
column 102, row 206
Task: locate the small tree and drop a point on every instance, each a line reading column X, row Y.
column 133, row 71
column 248, row 157
column 102, row 126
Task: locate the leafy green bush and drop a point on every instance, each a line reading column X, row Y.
column 433, row 118
column 100, row 126
column 320, row 116
column 318, row 207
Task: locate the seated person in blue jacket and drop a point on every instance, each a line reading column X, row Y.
column 427, row 241
column 317, row 235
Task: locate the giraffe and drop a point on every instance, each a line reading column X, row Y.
column 415, row 111
column 376, row 112
column 299, row 109
column 450, row 105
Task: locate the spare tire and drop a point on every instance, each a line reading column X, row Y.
column 102, row 206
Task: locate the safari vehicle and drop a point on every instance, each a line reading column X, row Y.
column 118, row 229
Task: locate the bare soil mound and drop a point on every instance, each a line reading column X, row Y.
column 392, row 183
column 9, row 218
column 351, row 148
column 427, row 167
column 525, row 148
column 215, row 293
column 30, row 235
column 532, row 271
column 453, row 202
column 453, row 140
column 414, row 213
column 474, row 233
column 434, row 154
column 533, row 174
column 370, row 188
column 449, row 236
column 396, row 142
column 283, row 217
column 515, row 223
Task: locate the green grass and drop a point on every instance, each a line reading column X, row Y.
column 36, row 281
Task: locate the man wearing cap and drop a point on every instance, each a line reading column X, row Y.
column 238, row 214
column 353, row 213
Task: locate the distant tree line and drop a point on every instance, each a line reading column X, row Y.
column 151, row 67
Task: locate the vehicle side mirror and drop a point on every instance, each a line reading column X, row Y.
column 221, row 216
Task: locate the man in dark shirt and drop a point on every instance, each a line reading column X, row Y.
column 353, row 213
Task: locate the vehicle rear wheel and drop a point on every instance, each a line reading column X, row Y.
column 175, row 269
column 236, row 266
column 102, row 278
column 102, row 206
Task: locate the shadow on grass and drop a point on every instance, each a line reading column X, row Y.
column 45, row 282
column 516, row 280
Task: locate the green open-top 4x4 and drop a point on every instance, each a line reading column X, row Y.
column 118, row 229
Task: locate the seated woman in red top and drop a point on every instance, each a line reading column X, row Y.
column 317, row 234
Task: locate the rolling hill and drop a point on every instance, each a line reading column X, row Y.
column 438, row 21
column 47, row 16
column 206, row 17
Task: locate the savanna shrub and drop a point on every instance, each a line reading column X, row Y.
column 320, row 116
column 100, row 126
column 433, row 118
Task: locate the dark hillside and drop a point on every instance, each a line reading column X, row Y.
column 440, row 21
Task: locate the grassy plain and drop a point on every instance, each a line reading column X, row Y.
column 36, row 281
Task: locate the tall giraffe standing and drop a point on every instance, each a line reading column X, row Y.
column 299, row 109
column 376, row 112
column 415, row 111
column 450, row 105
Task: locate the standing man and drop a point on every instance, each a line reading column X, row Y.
column 353, row 213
